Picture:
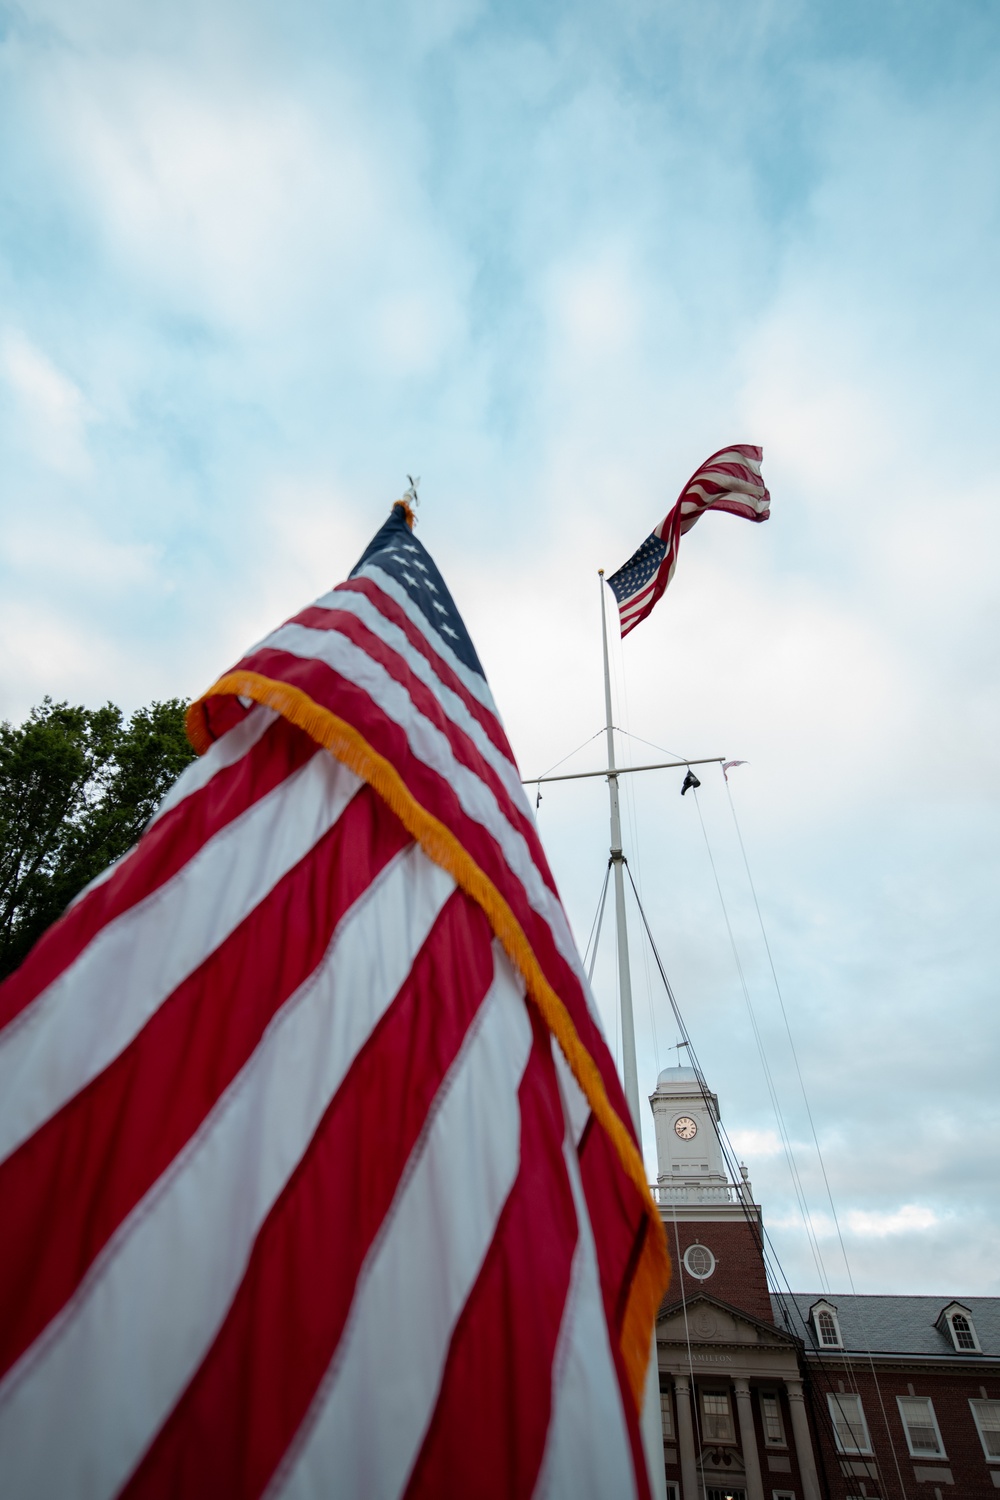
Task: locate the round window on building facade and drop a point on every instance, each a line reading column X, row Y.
column 699, row 1262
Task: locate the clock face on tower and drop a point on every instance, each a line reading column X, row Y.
column 686, row 1128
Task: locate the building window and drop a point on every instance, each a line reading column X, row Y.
column 920, row 1426
column 849, row 1425
column 770, row 1411
column 699, row 1262
column 987, row 1415
column 956, row 1321
column 717, row 1419
column 673, row 1493
column 667, row 1416
column 827, row 1328
column 782, row 1495
column 826, row 1325
column 962, row 1332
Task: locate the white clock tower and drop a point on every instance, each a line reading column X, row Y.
column 690, row 1166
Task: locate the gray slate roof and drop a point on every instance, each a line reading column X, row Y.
column 892, row 1325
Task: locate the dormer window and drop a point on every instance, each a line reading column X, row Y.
column 961, row 1332
column 826, row 1325
column 956, row 1322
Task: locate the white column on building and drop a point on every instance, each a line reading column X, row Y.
column 685, row 1439
column 748, row 1439
column 803, row 1440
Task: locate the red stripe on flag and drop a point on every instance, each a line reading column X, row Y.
column 621, row 1225
column 246, row 1402
column 326, row 687
column 165, row 849
column 489, row 1428
column 436, row 793
column 99, row 1155
column 388, row 607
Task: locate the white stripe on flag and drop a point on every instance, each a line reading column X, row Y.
column 82, row 1406
column 576, row 1105
column 587, row 1453
column 473, row 681
column 430, row 745
column 635, row 605
column 85, row 1018
column 379, row 1394
column 224, row 752
column 362, row 608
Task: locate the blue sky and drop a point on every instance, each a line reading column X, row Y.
column 259, row 261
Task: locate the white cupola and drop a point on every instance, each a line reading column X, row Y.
column 690, row 1164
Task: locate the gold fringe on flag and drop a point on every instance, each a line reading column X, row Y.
column 346, row 744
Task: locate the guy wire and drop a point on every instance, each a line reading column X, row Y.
column 812, row 1125
column 775, row 1271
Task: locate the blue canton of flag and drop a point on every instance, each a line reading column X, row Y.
column 640, row 569
column 395, row 548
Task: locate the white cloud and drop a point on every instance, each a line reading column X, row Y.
column 595, row 308
column 874, row 1224
column 756, row 1143
column 259, row 209
column 864, row 1223
column 51, row 410
column 55, row 652
column 56, row 550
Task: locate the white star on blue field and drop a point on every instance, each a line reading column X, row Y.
column 640, row 568
column 261, row 262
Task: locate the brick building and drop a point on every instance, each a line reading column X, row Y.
column 806, row 1397
column 911, row 1389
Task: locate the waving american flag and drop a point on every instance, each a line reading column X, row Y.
column 729, row 480
column 316, row 1173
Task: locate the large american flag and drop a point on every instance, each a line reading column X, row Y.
column 729, row 480
column 317, row 1177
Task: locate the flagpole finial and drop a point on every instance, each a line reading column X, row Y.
column 600, row 572
column 409, row 500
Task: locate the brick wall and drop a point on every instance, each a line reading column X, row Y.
column 738, row 1277
column 950, row 1392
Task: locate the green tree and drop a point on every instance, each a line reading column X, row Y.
column 77, row 787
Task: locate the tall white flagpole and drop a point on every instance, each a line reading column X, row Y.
column 651, row 1423
column 629, row 1067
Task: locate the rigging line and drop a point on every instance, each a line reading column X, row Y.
column 568, row 757
column 725, row 1145
column 821, row 1412
column 783, row 1133
column 812, row 1124
column 788, row 1033
column 769, row 1254
column 653, row 746
column 598, row 919
column 779, row 1117
column 693, row 1396
column 772, row 1263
